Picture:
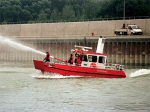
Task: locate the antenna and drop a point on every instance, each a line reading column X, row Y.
column 83, row 47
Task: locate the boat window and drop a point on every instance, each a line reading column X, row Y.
column 101, row 59
column 84, row 58
column 92, row 58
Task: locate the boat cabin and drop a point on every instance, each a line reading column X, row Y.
column 92, row 59
column 95, row 59
column 89, row 58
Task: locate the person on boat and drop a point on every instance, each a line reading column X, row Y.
column 70, row 59
column 75, row 60
column 78, row 60
column 47, row 57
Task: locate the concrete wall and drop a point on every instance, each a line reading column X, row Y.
column 104, row 28
column 131, row 52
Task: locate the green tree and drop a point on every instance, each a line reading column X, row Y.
column 43, row 10
column 55, row 15
column 12, row 11
column 68, row 13
column 26, row 15
column 90, row 10
column 42, row 16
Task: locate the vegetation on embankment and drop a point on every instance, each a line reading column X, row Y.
column 29, row 11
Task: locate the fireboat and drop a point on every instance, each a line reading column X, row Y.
column 93, row 64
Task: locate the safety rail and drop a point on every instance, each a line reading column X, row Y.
column 114, row 66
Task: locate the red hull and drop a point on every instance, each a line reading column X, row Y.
column 67, row 70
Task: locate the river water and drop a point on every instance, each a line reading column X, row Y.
column 24, row 89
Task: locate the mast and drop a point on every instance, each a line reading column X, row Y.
column 100, row 45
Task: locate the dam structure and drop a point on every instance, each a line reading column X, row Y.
column 60, row 38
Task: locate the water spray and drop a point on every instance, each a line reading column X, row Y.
column 18, row 46
column 140, row 72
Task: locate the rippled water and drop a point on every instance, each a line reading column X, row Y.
column 24, row 89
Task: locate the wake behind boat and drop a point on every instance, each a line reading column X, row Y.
column 92, row 64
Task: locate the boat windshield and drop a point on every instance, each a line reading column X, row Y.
column 101, row 59
column 84, row 58
column 92, row 58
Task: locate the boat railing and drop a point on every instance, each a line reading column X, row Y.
column 114, row 66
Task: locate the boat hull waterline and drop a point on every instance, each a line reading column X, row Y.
column 72, row 70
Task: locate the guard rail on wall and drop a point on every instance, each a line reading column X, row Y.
column 77, row 20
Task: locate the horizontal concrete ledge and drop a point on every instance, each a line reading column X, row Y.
column 81, row 37
column 121, row 38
